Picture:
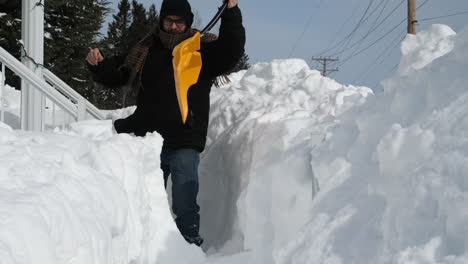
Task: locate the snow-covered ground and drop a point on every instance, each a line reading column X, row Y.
column 298, row 169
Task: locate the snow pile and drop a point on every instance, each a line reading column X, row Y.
column 10, row 105
column 257, row 165
column 11, row 98
column 89, row 196
column 278, row 91
column 85, row 196
column 393, row 172
column 421, row 49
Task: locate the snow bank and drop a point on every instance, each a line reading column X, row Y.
column 10, row 105
column 393, row 172
column 85, row 196
column 421, row 49
column 88, row 196
column 256, row 180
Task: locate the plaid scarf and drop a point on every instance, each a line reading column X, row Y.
column 137, row 55
column 170, row 41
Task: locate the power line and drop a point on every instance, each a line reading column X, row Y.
column 396, row 65
column 307, row 25
column 373, row 43
column 346, row 45
column 332, row 42
column 345, row 39
column 381, row 22
column 371, row 29
column 379, row 39
column 382, row 56
column 421, row 5
column 455, row 14
column 386, row 52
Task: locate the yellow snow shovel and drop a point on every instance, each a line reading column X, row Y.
column 187, row 64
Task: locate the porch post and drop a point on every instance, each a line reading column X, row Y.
column 32, row 34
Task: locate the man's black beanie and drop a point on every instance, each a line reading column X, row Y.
column 176, row 8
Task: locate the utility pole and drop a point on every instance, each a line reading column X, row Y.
column 324, row 61
column 412, row 17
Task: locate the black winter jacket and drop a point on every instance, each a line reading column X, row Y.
column 157, row 106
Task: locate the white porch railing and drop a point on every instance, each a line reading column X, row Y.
column 2, row 84
column 85, row 108
column 63, row 105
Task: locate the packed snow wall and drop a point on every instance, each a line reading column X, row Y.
column 393, row 171
column 257, row 183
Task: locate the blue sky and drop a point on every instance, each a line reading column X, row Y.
column 307, row 28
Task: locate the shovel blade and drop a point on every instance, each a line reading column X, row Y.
column 187, row 64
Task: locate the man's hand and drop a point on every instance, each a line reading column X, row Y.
column 232, row 3
column 94, row 57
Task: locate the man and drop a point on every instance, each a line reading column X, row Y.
column 148, row 68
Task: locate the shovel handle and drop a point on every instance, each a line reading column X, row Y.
column 215, row 18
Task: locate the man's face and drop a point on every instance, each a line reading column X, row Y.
column 174, row 25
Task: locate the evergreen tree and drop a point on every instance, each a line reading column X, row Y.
column 137, row 30
column 129, row 25
column 152, row 17
column 117, row 41
column 140, row 26
column 64, row 48
column 71, row 28
column 10, row 34
column 7, row 6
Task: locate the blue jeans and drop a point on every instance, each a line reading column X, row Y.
column 182, row 165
